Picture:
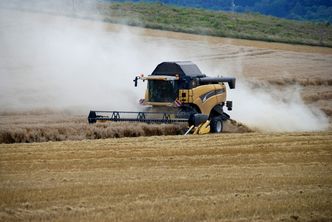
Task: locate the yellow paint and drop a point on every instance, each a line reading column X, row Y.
column 203, row 128
column 206, row 106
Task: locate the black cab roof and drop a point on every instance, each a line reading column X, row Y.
column 181, row 68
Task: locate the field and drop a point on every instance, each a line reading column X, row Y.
column 259, row 175
column 231, row 177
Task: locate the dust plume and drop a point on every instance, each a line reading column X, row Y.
column 271, row 108
column 60, row 62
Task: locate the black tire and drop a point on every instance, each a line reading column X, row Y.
column 216, row 125
column 186, row 112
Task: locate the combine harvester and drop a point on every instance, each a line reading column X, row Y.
column 178, row 92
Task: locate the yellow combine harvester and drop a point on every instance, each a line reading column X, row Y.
column 178, row 92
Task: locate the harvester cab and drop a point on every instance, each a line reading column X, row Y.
column 179, row 92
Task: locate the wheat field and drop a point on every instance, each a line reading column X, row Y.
column 225, row 177
column 56, row 167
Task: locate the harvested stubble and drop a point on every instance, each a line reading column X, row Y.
column 215, row 177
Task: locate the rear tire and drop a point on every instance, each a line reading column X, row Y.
column 216, row 125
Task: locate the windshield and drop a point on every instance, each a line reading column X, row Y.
column 162, row 91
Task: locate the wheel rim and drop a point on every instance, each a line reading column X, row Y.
column 218, row 126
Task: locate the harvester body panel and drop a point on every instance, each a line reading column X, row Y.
column 206, row 97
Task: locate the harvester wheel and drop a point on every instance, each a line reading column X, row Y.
column 186, row 112
column 216, row 125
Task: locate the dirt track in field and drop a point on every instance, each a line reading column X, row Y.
column 231, row 177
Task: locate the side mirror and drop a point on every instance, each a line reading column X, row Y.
column 135, row 81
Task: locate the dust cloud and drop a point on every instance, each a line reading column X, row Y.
column 268, row 108
column 58, row 62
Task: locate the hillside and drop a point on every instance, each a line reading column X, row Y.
column 189, row 20
column 217, row 23
column 318, row 10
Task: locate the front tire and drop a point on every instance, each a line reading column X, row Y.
column 216, row 125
